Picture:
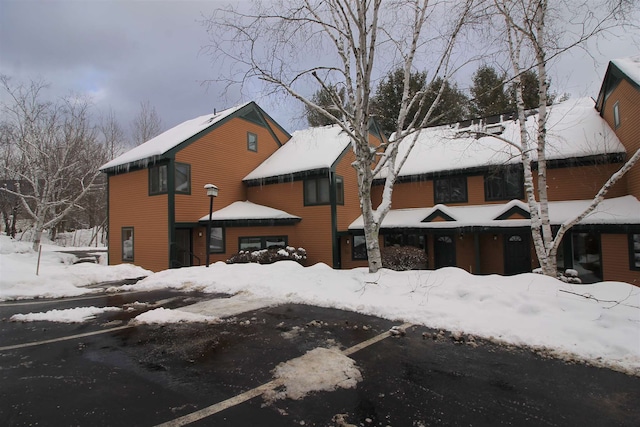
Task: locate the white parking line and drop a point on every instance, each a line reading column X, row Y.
column 94, row 296
column 255, row 392
column 68, row 337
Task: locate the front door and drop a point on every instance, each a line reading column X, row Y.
column 183, row 248
column 444, row 251
column 517, row 254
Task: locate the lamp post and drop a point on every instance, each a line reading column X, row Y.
column 212, row 191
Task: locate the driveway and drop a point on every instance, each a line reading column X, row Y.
column 216, row 374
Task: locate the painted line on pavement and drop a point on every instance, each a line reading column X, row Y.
column 257, row 391
column 84, row 297
column 68, row 337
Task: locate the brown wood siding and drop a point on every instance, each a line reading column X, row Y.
column 346, row 251
column 221, row 157
column 628, row 99
column 131, row 206
column 351, row 209
column 314, row 231
column 582, row 183
column 615, row 259
column 465, row 258
column 282, row 137
column 491, row 261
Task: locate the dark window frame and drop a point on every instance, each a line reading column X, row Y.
column 188, row 191
column 263, row 241
column 252, row 145
column 317, row 181
column 356, row 256
column 446, row 198
column 224, row 242
column 155, row 178
column 633, row 252
column 122, row 240
column 339, row 187
column 500, row 177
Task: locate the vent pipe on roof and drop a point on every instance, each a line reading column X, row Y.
column 214, row 112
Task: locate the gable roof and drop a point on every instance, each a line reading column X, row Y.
column 630, row 67
column 160, row 146
column 247, row 210
column 311, row 149
column 575, row 130
column 618, row 69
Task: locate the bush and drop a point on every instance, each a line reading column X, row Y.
column 269, row 256
column 402, row 258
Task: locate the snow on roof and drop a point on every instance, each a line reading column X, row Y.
column 247, row 210
column 308, row 149
column 619, row 210
column 575, row 129
column 630, row 66
column 169, row 139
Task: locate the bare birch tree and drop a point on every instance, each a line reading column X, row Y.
column 337, row 45
column 146, row 125
column 532, row 44
column 54, row 153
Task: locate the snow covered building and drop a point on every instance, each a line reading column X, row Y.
column 460, row 196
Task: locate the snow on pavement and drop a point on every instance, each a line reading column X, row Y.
column 162, row 315
column 70, row 315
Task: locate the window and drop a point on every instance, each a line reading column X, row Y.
column 339, row 190
column 216, row 241
column 183, row 178
column 158, row 179
column 316, row 191
column 405, row 239
column 451, row 189
column 586, row 256
column 359, row 248
column 634, row 251
column 252, row 141
column 263, row 242
column 504, row 184
column 616, row 114
column 127, row 244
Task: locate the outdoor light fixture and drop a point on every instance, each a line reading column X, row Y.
column 212, row 191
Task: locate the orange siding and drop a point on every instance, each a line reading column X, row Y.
column 346, row 252
column 282, row 137
column 351, row 209
column 491, row 254
column 581, row 183
column 615, row 259
column 131, row 206
column 221, row 157
column 628, row 99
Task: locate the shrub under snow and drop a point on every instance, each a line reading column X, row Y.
column 269, row 256
column 402, row 258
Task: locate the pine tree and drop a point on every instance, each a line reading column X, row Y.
column 325, row 98
column 489, row 97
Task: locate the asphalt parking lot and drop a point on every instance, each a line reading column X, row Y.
column 111, row 373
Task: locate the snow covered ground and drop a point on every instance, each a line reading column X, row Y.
column 599, row 323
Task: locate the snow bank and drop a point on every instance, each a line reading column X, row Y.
column 601, row 324
column 162, row 315
column 71, row 315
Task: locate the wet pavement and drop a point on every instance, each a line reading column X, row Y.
column 147, row 375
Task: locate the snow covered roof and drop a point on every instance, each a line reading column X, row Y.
column 309, row 149
column 156, row 147
column 629, row 66
column 247, row 211
column 575, row 129
column 620, row 210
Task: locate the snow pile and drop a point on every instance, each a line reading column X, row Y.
column 70, row 315
column 321, row 369
column 162, row 315
column 57, row 276
column 598, row 322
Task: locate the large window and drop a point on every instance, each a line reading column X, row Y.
column 634, row 251
column 252, row 141
column 127, row 244
column 158, row 179
column 586, row 256
column 216, row 242
column 504, row 184
column 316, row 191
column 406, row 239
column 452, row 189
column 359, row 248
column 261, row 242
column 183, row 178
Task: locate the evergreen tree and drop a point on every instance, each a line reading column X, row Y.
column 326, row 99
column 453, row 105
column 530, row 94
column 488, row 92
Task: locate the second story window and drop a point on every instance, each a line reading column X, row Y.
column 252, row 141
column 504, row 184
column 183, row 178
column 158, row 179
column 616, row 114
column 317, row 191
column 452, row 189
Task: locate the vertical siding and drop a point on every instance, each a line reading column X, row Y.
column 351, row 209
column 615, row 259
column 491, row 254
column 582, row 183
column 221, row 157
column 465, row 257
column 131, row 206
column 628, row 99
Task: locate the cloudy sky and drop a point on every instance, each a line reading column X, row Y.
column 126, row 52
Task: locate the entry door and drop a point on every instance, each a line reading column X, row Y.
column 444, row 251
column 183, row 247
column 517, row 254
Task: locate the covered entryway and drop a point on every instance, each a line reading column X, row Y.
column 444, row 251
column 517, row 254
column 183, row 249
